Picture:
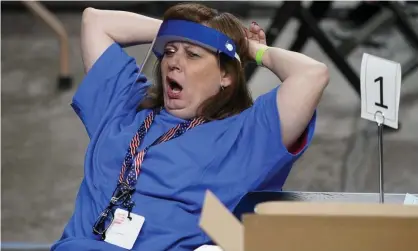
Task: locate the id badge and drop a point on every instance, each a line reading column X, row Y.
column 123, row 231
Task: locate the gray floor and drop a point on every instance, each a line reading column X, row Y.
column 43, row 142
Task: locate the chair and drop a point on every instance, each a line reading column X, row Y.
column 393, row 13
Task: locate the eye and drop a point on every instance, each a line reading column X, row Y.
column 169, row 51
column 192, row 54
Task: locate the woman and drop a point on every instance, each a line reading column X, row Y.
column 222, row 142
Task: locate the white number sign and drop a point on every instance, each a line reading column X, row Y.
column 380, row 89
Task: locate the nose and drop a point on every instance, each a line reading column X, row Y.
column 173, row 65
column 175, row 61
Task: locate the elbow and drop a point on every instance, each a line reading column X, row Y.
column 319, row 74
column 89, row 12
column 92, row 25
column 90, row 17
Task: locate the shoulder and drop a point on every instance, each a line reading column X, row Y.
column 112, row 83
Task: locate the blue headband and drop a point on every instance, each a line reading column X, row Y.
column 181, row 30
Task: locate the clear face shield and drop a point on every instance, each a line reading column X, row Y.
column 186, row 31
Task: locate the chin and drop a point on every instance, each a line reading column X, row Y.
column 182, row 113
column 174, row 104
column 179, row 108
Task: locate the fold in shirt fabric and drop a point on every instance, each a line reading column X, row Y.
column 230, row 157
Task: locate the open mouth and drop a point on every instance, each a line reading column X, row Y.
column 174, row 86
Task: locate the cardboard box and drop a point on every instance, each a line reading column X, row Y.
column 303, row 226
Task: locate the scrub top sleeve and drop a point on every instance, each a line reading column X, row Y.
column 269, row 156
column 107, row 81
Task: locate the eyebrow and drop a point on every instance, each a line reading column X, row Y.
column 192, row 46
column 187, row 46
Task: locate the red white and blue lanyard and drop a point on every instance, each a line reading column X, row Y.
column 132, row 163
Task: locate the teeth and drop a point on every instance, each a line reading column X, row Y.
column 176, row 90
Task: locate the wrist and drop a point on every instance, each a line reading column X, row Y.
column 254, row 47
column 259, row 53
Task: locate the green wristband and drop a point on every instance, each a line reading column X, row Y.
column 259, row 55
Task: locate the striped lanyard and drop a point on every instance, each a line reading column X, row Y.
column 132, row 163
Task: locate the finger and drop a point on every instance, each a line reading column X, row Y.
column 250, row 35
column 256, row 28
column 262, row 37
column 254, row 37
column 256, row 31
column 251, row 28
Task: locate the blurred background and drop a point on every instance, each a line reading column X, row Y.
column 43, row 141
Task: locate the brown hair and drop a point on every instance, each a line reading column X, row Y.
column 233, row 99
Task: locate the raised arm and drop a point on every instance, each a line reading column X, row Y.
column 101, row 28
column 303, row 82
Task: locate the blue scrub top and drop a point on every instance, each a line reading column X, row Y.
column 230, row 157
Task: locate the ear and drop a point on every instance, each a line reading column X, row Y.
column 226, row 79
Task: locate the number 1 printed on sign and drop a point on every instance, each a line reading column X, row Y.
column 380, row 89
column 380, row 80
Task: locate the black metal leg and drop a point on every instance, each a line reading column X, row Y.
column 404, row 24
column 326, row 45
column 409, row 67
column 283, row 15
column 318, row 10
column 381, row 19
